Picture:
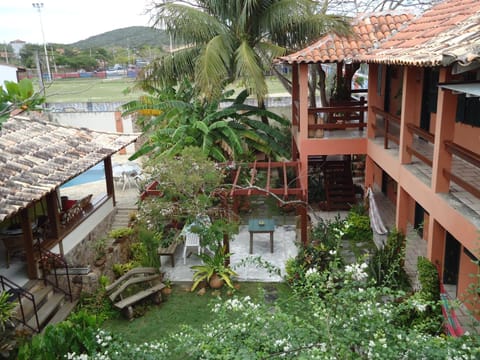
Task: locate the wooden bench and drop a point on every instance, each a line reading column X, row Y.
column 152, row 286
column 170, row 250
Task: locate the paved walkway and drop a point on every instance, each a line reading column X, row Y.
column 248, row 266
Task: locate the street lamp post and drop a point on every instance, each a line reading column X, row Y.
column 39, row 7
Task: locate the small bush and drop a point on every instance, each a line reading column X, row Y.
column 357, row 227
column 386, row 264
column 77, row 334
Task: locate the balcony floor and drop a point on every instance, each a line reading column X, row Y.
column 459, row 198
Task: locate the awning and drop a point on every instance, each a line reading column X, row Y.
column 470, row 89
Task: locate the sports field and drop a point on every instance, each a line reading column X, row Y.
column 109, row 90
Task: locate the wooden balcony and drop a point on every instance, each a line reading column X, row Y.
column 464, row 173
column 342, row 119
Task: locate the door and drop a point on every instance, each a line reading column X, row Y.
column 452, row 260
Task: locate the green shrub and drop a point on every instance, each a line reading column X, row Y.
column 76, row 334
column 147, row 252
column 428, row 278
column 120, row 269
column 120, row 233
column 318, row 254
column 386, row 264
column 422, row 310
column 357, row 227
column 97, row 303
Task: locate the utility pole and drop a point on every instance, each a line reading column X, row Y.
column 39, row 7
column 6, row 52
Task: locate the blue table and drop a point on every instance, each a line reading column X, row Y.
column 259, row 226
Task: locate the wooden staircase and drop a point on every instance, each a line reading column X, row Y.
column 338, row 184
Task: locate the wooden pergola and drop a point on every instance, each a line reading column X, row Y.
column 290, row 191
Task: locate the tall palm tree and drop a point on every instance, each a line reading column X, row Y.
column 235, row 40
column 176, row 118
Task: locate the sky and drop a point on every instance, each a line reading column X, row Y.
column 67, row 21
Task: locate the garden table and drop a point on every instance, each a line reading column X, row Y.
column 261, row 226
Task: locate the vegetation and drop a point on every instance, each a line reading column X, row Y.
column 134, row 36
column 213, row 265
column 386, row 264
column 235, row 40
column 182, row 118
column 120, row 233
column 75, row 335
column 18, row 96
column 121, row 46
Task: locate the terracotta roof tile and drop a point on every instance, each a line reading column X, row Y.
column 451, row 27
column 36, row 157
column 366, row 31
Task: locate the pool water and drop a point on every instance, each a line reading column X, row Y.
column 95, row 173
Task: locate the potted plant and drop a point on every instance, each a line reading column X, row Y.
column 121, row 234
column 213, row 270
column 99, row 246
column 167, row 290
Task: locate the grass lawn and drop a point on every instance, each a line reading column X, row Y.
column 109, row 90
column 95, row 90
column 185, row 307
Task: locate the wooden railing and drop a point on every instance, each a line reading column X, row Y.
column 424, row 135
column 468, row 156
column 340, row 116
column 388, row 120
column 21, row 295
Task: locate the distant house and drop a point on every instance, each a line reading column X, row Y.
column 9, row 73
column 17, row 46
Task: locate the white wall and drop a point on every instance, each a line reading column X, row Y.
column 98, row 121
column 7, row 73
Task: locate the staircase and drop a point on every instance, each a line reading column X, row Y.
column 122, row 217
column 37, row 305
column 338, row 184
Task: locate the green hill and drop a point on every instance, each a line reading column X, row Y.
column 134, row 36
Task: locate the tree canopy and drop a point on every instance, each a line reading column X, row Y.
column 175, row 118
column 235, row 40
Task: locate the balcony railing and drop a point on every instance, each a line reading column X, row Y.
column 343, row 115
column 390, row 123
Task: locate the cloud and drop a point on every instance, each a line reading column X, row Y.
column 67, row 21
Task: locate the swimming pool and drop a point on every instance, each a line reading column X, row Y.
column 95, row 173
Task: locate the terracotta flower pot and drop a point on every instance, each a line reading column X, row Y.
column 166, row 291
column 216, row 282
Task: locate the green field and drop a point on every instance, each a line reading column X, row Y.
column 108, row 90
column 95, row 90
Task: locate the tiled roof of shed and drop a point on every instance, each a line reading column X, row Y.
column 36, row 157
column 367, row 32
column 449, row 28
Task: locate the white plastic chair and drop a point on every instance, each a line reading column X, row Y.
column 191, row 240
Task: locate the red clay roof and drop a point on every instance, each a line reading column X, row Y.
column 367, row 32
column 37, row 156
column 450, row 28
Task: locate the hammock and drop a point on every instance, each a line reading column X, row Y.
column 452, row 326
column 375, row 220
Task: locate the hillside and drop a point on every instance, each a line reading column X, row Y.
column 134, row 36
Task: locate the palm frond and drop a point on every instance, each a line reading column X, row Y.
column 249, row 71
column 186, row 23
column 213, row 64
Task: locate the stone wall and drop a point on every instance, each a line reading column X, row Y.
column 84, row 254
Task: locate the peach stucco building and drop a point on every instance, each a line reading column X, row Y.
column 421, row 141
